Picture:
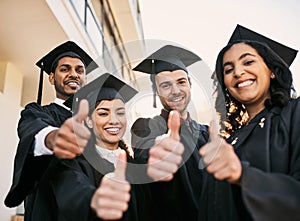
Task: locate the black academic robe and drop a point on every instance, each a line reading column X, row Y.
column 29, row 169
column 66, row 190
column 192, row 193
column 269, row 149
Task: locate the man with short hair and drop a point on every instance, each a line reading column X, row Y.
column 180, row 187
column 50, row 129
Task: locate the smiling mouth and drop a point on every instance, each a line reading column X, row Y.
column 244, row 84
column 73, row 84
column 176, row 99
column 113, row 130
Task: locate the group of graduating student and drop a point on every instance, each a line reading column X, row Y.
column 72, row 163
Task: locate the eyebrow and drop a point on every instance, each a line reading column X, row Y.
column 179, row 79
column 241, row 57
column 246, row 54
column 68, row 65
column 107, row 109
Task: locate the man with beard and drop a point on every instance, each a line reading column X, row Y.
column 168, row 147
column 50, row 130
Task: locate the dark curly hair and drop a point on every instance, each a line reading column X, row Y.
column 233, row 112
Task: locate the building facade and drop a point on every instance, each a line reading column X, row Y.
column 31, row 28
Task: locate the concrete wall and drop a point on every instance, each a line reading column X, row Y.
column 10, row 95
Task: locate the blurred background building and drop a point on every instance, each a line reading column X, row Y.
column 31, row 28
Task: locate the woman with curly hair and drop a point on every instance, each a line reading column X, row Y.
column 261, row 158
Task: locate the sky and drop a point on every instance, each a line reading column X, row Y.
column 205, row 27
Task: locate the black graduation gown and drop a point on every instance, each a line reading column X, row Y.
column 192, row 193
column 27, row 168
column 269, row 149
column 65, row 192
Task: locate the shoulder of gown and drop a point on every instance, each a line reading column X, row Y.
column 27, row 168
column 275, row 194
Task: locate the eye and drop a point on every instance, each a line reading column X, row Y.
column 248, row 62
column 182, row 82
column 102, row 114
column 165, row 86
column 64, row 69
column 121, row 113
column 228, row 70
column 80, row 70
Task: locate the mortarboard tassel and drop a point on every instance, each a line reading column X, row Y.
column 153, row 82
column 40, row 91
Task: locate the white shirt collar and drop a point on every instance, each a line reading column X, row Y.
column 60, row 102
column 110, row 155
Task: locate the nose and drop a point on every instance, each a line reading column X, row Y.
column 113, row 119
column 239, row 71
column 175, row 89
column 73, row 73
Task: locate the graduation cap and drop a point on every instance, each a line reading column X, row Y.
column 68, row 49
column 286, row 53
column 167, row 58
column 105, row 87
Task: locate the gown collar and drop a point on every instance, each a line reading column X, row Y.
column 259, row 116
column 60, row 102
column 109, row 155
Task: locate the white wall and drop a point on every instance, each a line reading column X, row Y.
column 9, row 116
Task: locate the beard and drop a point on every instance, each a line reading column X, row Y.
column 181, row 109
column 61, row 92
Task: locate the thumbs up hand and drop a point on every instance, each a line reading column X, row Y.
column 69, row 140
column 174, row 125
column 111, row 199
column 220, row 158
column 166, row 154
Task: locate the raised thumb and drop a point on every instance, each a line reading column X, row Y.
column 121, row 165
column 174, row 125
column 83, row 111
column 213, row 131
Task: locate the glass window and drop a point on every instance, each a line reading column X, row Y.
column 79, row 6
column 94, row 31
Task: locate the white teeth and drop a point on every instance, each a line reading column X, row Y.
column 113, row 129
column 72, row 84
column 177, row 99
column 245, row 83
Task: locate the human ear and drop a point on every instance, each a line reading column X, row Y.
column 89, row 122
column 51, row 78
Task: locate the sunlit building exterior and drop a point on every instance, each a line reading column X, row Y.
column 31, row 28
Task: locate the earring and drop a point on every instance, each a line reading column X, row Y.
column 273, row 75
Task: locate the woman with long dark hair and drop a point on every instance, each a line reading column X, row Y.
column 261, row 158
column 95, row 186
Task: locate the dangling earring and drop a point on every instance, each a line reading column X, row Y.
column 273, row 75
column 226, row 92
